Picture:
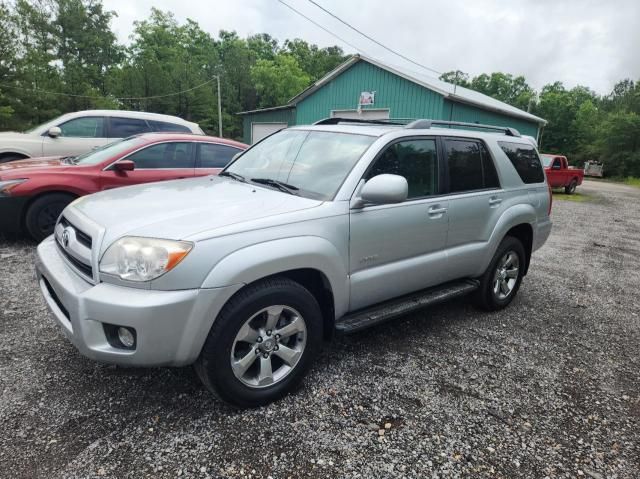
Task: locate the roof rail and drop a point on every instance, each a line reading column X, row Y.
column 337, row 120
column 426, row 124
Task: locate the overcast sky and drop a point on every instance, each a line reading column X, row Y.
column 592, row 43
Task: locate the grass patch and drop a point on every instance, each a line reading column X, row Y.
column 576, row 197
column 632, row 181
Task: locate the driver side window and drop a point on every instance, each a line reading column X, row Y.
column 87, row 127
column 415, row 160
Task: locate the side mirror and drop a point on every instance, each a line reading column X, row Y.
column 555, row 166
column 384, row 189
column 54, row 132
column 124, row 165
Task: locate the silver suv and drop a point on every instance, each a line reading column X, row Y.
column 333, row 227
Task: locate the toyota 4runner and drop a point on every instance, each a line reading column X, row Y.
column 332, row 227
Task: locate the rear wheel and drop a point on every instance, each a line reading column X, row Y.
column 501, row 281
column 571, row 189
column 262, row 343
column 43, row 213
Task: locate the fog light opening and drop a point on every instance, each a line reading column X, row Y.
column 126, row 337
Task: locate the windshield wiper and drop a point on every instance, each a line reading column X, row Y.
column 235, row 176
column 69, row 160
column 277, row 184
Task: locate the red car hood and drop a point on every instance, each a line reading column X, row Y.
column 32, row 163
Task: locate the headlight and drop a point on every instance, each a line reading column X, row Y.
column 7, row 185
column 143, row 259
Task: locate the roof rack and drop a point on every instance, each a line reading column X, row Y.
column 337, row 120
column 426, row 124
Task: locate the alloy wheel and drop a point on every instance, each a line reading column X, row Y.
column 506, row 275
column 268, row 346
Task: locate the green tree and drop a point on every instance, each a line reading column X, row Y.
column 278, row 80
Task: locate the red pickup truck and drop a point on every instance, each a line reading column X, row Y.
column 560, row 174
column 34, row 192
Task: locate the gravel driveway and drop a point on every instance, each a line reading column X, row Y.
column 548, row 387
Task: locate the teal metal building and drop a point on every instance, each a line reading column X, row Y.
column 389, row 92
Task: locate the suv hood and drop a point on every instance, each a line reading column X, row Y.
column 179, row 209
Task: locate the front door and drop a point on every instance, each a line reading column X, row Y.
column 159, row 162
column 78, row 136
column 396, row 249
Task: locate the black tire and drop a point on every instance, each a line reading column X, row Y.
column 214, row 363
column 487, row 297
column 43, row 213
column 571, row 189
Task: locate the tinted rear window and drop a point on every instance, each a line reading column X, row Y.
column 470, row 166
column 525, row 160
column 163, row 126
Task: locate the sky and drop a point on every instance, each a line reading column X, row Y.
column 578, row 42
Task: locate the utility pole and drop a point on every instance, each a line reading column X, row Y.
column 219, row 108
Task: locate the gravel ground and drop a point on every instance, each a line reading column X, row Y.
column 548, row 387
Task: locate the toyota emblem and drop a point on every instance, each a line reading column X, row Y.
column 65, row 238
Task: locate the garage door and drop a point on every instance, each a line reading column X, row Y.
column 368, row 114
column 260, row 130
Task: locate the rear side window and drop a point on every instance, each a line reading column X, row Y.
column 163, row 156
column 470, row 166
column 416, row 161
column 163, row 126
column 125, row 127
column 525, row 160
column 212, row 155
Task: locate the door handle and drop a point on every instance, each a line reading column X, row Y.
column 494, row 201
column 436, row 211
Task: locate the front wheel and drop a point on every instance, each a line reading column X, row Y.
column 501, row 281
column 43, row 213
column 262, row 343
column 571, row 189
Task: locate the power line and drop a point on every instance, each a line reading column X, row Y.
column 372, row 39
column 323, row 28
column 71, row 95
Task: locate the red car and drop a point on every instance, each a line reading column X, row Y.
column 34, row 192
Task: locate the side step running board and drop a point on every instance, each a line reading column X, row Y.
column 365, row 318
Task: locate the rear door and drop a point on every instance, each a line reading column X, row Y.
column 158, row 162
column 211, row 158
column 399, row 248
column 78, row 136
column 476, row 202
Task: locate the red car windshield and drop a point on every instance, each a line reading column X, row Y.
column 109, row 151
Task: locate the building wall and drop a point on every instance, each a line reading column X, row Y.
column 287, row 116
column 405, row 99
column 472, row 114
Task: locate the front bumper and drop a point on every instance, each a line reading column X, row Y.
column 171, row 326
column 11, row 213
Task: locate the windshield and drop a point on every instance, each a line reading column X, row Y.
column 313, row 163
column 546, row 160
column 107, row 152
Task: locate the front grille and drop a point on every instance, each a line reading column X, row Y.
column 82, row 237
column 77, row 251
column 85, row 269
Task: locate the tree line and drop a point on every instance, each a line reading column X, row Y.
column 61, row 55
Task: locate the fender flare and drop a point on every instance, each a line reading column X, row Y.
column 261, row 260
column 513, row 216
